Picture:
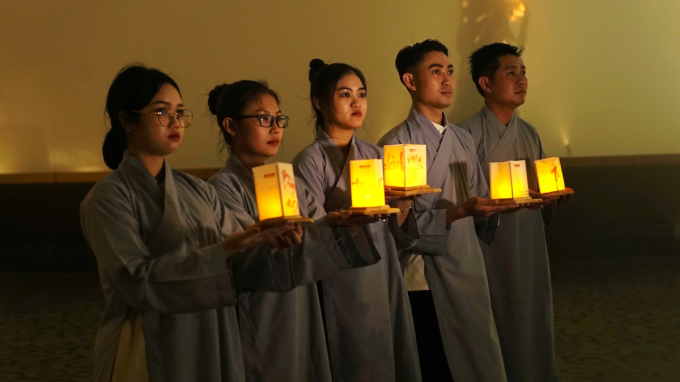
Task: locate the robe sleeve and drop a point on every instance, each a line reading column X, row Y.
column 429, row 224
column 484, row 227
column 405, row 236
column 186, row 280
column 360, row 248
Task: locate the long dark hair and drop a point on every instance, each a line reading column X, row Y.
column 229, row 101
column 133, row 88
column 323, row 80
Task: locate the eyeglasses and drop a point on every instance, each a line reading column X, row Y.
column 267, row 120
column 166, row 116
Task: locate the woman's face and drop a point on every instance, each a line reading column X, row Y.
column 148, row 135
column 250, row 138
column 349, row 104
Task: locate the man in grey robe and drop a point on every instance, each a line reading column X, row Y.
column 282, row 333
column 168, row 285
column 517, row 261
column 445, row 274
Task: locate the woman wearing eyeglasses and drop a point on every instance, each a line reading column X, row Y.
column 369, row 324
column 170, row 256
column 282, row 334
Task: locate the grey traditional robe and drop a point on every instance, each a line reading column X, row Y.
column 282, row 333
column 368, row 316
column 162, row 265
column 454, row 265
column 517, row 262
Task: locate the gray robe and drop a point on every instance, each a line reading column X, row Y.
column 368, row 316
column 282, row 333
column 517, row 262
column 162, row 263
column 454, row 265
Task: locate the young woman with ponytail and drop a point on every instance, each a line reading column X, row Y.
column 282, row 334
column 369, row 323
column 170, row 256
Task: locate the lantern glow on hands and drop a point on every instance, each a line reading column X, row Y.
column 550, row 178
column 368, row 187
column 406, row 170
column 508, row 182
column 276, row 193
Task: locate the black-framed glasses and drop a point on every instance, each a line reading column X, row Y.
column 166, row 116
column 267, row 120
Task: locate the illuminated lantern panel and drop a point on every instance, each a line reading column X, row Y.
column 368, row 187
column 405, row 166
column 509, row 180
column 549, row 173
column 275, row 191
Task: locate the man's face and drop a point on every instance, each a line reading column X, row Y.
column 509, row 84
column 433, row 81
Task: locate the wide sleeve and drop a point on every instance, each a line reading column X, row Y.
column 188, row 279
column 484, row 227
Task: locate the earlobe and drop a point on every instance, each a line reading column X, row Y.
column 484, row 84
column 316, row 103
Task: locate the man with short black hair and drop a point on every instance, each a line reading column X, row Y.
column 445, row 275
column 517, row 262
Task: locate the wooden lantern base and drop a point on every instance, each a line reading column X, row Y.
column 566, row 191
column 410, row 191
column 503, row 202
column 359, row 211
column 288, row 219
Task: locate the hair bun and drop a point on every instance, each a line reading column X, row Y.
column 214, row 97
column 314, row 66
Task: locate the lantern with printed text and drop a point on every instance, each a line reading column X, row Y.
column 276, row 193
column 406, row 170
column 550, row 178
column 508, row 182
column 368, row 187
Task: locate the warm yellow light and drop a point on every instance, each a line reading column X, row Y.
column 275, row 191
column 368, row 186
column 508, row 180
column 549, row 173
column 405, row 165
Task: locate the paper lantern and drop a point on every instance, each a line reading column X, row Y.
column 508, row 181
column 368, row 187
column 275, row 192
column 405, row 166
column 406, row 169
column 550, row 178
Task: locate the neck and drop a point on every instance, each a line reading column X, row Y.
column 249, row 160
column 503, row 112
column 153, row 163
column 341, row 137
column 430, row 112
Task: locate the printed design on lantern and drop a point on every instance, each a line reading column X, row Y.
column 393, row 164
column 414, row 164
column 292, row 203
column 288, row 181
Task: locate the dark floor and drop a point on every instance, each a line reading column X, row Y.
column 617, row 318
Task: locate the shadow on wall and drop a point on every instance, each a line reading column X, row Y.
column 484, row 22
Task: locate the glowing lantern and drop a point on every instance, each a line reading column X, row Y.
column 368, row 187
column 405, row 166
column 508, row 181
column 406, row 170
column 275, row 192
column 550, row 178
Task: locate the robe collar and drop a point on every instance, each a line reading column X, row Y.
column 496, row 123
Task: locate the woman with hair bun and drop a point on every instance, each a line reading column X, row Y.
column 282, row 334
column 170, row 256
column 368, row 318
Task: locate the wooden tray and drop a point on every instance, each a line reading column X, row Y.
column 566, row 191
column 414, row 191
column 374, row 210
column 519, row 201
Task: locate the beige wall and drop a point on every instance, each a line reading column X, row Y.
column 604, row 74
